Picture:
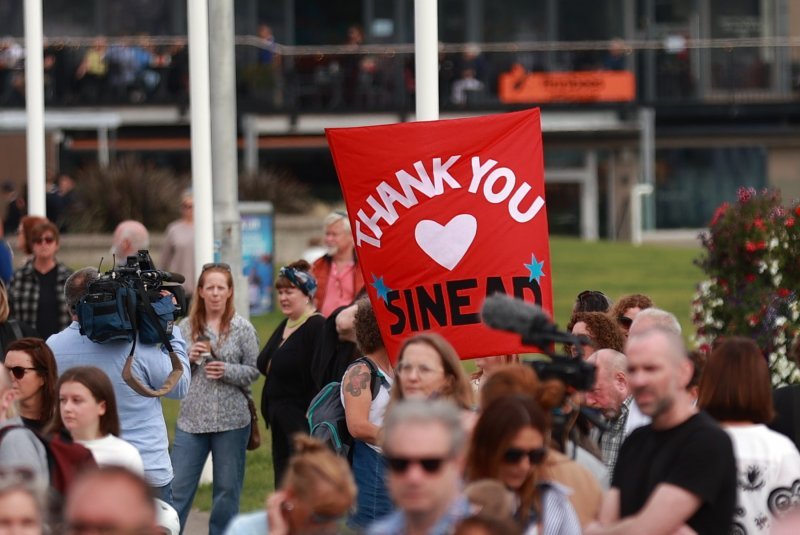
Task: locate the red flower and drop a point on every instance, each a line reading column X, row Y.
column 797, row 210
column 789, row 221
column 750, row 277
column 753, row 320
column 759, row 224
column 754, row 246
column 719, row 212
column 784, row 292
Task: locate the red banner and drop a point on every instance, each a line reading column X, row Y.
column 445, row 213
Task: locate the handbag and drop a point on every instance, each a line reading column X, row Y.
column 255, row 434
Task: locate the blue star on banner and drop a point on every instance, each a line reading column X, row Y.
column 535, row 268
column 380, row 287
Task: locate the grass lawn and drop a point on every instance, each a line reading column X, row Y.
column 666, row 274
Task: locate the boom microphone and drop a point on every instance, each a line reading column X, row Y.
column 532, row 323
column 169, row 276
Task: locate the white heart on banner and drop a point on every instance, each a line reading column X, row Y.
column 447, row 244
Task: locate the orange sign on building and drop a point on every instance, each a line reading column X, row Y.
column 519, row 86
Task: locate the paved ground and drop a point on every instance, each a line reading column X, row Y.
column 197, row 524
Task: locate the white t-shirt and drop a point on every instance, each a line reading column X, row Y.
column 768, row 466
column 113, row 451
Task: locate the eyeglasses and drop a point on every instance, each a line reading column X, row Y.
column 400, row 465
column 625, row 321
column 515, row 455
column 422, row 370
column 217, row 265
column 44, row 239
column 19, row 371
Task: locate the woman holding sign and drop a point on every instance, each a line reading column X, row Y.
column 286, row 361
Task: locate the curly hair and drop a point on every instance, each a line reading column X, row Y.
column 626, row 302
column 368, row 334
column 606, row 334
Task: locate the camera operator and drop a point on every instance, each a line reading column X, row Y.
column 141, row 418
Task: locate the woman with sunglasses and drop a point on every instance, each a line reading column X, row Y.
column 34, row 375
column 509, row 444
column 87, row 408
column 36, row 291
column 315, row 494
column 627, row 307
column 428, row 367
column 286, row 361
column 214, row 416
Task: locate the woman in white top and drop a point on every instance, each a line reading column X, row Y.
column 364, row 416
column 735, row 389
column 87, row 408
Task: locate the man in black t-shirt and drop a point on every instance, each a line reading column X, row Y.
column 678, row 474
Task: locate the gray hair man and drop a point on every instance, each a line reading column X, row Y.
column 129, row 237
column 654, row 317
column 611, row 394
column 424, row 444
column 677, row 474
column 338, row 277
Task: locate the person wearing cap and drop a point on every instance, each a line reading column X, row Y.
column 286, row 361
column 337, row 271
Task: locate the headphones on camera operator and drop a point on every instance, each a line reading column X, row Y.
column 128, row 303
column 535, row 328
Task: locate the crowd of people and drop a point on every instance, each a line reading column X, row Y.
column 665, row 440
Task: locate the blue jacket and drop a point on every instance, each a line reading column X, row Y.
column 141, row 418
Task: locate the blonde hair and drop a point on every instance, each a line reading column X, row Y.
column 312, row 464
column 4, row 309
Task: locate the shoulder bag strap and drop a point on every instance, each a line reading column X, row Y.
column 177, row 367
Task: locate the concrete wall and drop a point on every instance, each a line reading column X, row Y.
column 292, row 235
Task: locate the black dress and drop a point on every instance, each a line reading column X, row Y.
column 289, row 387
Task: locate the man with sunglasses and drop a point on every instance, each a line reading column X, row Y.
column 677, row 474
column 141, row 418
column 424, row 445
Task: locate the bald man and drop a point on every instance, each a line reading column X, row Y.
column 129, row 237
column 611, row 394
column 679, row 471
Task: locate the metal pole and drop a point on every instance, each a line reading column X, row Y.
column 426, row 54
column 34, row 106
column 224, row 155
column 647, row 157
column 201, row 132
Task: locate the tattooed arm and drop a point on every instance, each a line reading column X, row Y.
column 357, row 401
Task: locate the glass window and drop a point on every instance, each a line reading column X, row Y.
column 741, row 68
column 691, row 183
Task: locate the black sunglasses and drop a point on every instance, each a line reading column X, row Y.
column 19, row 371
column 400, row 465
column 515, row 455
column 625, row 321
column 217, row 265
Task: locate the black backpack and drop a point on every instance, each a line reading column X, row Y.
column 326, row 417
